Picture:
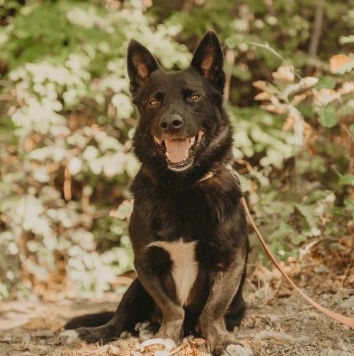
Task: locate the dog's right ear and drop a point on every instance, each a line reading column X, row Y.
column 141, row 64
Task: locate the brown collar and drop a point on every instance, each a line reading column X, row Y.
column 212, row 173
column 207, row 176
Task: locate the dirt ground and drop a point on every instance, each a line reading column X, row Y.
column 278, row 322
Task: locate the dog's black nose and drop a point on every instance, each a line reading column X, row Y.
column 171, row 122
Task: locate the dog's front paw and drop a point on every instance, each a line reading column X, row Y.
column 217, row 340
column 172, row 330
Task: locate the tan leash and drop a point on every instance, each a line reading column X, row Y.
column 338, row 317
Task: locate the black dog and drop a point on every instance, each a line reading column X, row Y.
column 188, row 228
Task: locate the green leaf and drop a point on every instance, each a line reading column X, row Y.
column 317, row 195
column 325, row 83
column 327, row 116
column 306, row 110
column 347, row 179
column 345, row 68
column 245, row 183
column 346, row 39
column 308, row 213
column 124, row 210
column 298, row 239
column 349, row 204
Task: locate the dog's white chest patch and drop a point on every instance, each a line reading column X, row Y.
column 185, row 266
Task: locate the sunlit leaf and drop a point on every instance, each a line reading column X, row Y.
column 124, row 210
column 340, row 63
column 308, row 213
column 90, row 153
column 327, row 116
column 285, row 74
column 75, row 166
column 325, row 82
column 347, row 179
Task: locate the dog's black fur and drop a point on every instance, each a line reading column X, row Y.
column 177, row 195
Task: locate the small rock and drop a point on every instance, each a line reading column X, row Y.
column 161, row 353
column 238, row 350
column 188, row 338
column 281, row 336
column 273, row 318
column 270, row 334
column 144, row 335
column 108, row 349
column 43, row 333
column 340, row 345
column 25, row 338
column 72, row 341
column 69, row 333
column 70, row 338
column 330, row 352
column 145, row 324
column 169, row 344
column 43, row 351
column 347, row 303
column 321, row 269
column 197, row 341
column 124, row 335
column 139, row 348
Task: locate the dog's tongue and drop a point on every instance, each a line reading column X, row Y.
column 177, row 150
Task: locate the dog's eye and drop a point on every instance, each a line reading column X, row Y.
column 194, row 97
column 154, row 102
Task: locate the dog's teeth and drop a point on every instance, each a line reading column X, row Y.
column 191, row 141
column 200, row 135
column 158, row 141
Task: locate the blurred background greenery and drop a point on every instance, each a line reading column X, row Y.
column 66, row 120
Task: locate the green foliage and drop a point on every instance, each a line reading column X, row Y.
column 66, row 121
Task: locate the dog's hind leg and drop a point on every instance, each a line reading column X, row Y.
column 89, row 320
column 237, row 308
column 136, row 306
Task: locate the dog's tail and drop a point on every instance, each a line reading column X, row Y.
column 89, row 320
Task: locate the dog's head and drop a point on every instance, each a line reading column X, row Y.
column 183, row 129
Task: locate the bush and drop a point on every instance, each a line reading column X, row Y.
column 67, row 119
column 66, row 123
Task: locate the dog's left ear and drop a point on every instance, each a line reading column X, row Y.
column 208, row 60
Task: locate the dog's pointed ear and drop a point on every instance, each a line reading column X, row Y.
column 141, row 64
column 208, row 59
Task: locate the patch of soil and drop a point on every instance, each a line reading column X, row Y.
column 276, row 326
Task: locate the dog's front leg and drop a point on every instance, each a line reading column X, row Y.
column 172, row 312
column 224, row 286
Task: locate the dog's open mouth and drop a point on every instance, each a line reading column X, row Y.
column 179, row 151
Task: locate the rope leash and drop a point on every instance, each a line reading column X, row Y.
column 335, row 316
column 338, row 317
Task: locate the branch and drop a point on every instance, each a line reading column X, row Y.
column 317, row 30
column 272, row 50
